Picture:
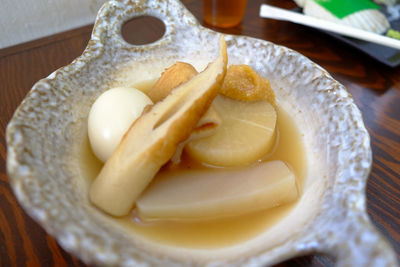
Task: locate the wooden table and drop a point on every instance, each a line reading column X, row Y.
column 375, row 88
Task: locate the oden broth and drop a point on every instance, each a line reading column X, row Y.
column 223, row 232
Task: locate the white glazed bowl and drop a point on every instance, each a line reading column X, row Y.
column 47, row 132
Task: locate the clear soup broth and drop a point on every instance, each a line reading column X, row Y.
column 221, row 232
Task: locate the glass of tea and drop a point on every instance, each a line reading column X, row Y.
column 224, row 13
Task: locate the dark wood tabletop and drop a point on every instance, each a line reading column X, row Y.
column 375, row 88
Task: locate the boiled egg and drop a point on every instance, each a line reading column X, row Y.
column 111, row 116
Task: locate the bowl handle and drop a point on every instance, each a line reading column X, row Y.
column 359, row 243
column 113, row 14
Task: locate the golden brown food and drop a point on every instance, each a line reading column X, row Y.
column 153, row 138
column 243, row 83
column 171, row 78
column 174, row 76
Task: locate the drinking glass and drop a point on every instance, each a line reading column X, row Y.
column 224, row 13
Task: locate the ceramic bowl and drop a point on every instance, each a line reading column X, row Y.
column 47, row 132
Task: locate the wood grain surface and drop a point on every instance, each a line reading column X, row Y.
column 375, row 88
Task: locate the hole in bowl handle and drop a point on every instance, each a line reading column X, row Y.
column 360, row 244
column 113, row 15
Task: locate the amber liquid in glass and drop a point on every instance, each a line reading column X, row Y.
column 224, row 13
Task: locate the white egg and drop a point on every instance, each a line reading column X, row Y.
column 110, row 117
